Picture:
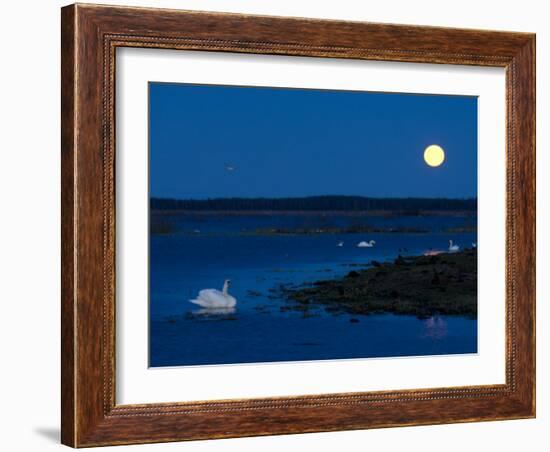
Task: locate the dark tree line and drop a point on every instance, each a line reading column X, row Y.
column 316, row 203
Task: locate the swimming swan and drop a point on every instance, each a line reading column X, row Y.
column 453, row 247
column 369, row 244
column 213, row 298
column 340, row 244
column 214, row 311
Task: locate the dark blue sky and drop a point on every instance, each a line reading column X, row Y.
column 297, row 142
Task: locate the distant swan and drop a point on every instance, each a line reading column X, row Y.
column 453, row 247
column 213, row 298
column 340, row 244
column 369, row 244
column 474, row 245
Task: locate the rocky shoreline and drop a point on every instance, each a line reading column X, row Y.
column 444, row 284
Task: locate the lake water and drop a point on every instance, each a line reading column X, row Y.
column 201, row 251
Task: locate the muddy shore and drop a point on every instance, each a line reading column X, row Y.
column 423, row 286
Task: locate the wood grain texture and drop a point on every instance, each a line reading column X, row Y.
column 90, row 36
column 68, row 147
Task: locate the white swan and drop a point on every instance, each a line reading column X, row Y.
column 213, row 298
column 369, row 244
column 474, row 245
column 453, row 248
column 214, row 311
column 340, row 244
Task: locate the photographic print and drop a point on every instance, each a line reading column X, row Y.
column 290, row 224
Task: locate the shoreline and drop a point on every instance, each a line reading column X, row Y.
column 444, row 284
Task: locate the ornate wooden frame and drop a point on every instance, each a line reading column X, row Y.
column 90, row 35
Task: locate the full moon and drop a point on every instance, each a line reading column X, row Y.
column 434, row 155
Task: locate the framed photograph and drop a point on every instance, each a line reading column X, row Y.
column 281, row 225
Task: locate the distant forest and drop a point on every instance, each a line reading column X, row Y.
column 317, row 203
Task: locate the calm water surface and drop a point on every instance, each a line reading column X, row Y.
column 202, row 251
